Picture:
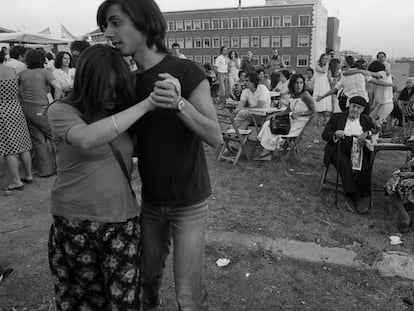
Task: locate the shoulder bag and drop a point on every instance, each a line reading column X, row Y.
column 280, row 124
column 121, row 162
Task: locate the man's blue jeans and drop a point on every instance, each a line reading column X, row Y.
column 187, row 226
column 41, row 135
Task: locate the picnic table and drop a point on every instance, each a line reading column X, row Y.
column 384, row 145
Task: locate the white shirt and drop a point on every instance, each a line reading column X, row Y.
column 252, row 98
column 65, row 79
column 383, row 94
column 353, row 128
column 222, row 64
column 17, row 65
column 354, row 85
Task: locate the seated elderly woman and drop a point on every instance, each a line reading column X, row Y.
column 301, row 106
column 351, row 129
column 400, row 188
column 404, row 97
column 255, row 95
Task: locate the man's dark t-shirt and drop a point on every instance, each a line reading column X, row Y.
column 171, row 159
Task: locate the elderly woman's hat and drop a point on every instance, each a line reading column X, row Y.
column 359, row 100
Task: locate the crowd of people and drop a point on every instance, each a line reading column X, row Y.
column 351, row 98
column 30, row 80
column 104, row 249
column 83, row 114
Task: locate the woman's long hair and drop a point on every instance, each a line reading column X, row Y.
column 92, row 86
column 292, row 82
column 320, row 59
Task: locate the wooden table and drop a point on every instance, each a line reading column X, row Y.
column 231, row 104
column 384, row 146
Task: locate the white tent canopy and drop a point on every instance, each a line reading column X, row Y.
column 34, row 38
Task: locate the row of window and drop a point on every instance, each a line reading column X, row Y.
column 239, row 42
column 236, row 22
column 301, row 60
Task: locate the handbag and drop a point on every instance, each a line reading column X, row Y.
column 280, row 124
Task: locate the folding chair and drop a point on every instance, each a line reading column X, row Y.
column 233, row 134
column 293, row 142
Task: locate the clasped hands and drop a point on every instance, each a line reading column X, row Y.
column 361, row 138
column 166, row 93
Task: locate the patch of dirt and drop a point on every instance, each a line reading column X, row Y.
column 251, row 197
column 262, row 198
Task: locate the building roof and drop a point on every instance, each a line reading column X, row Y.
column 5, row 30
column 96, row 31
column 294, row 3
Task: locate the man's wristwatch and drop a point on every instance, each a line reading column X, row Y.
column 180, row 105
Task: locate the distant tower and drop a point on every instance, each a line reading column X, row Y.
column 239, row 4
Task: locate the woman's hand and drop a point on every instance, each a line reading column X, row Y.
column 406, row 174
column 167, row 92
column 295, row 115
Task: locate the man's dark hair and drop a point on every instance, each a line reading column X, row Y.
column 175, row 45
column 254, row 78
column 286, row 73
column 360, row 64
column 145, row 15
column 49, row 56
column 310, row 69
column 79, row 45
column 260, row 70
column 2, row 56
column 16, row 51
column 350, row 60
column 383, row 53
column 207, row 66
column 35, row 58
column 376, row 66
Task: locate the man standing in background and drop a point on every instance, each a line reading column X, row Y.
column 221, row 66
column 176, row 51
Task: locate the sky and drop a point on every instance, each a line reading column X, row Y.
column 366, row 26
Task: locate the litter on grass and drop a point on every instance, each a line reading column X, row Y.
column 395, row 240
column 222, row 262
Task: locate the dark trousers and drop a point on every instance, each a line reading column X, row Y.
column 353, row 181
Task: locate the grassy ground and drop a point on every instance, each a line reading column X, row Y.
column 250, row 197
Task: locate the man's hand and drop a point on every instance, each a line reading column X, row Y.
column 362, row 137
column 319, row 98
column 339, row 133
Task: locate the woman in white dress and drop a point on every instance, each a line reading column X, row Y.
column 301, row 107
column 234, row 67
column 322, row 86
column 64, row 72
